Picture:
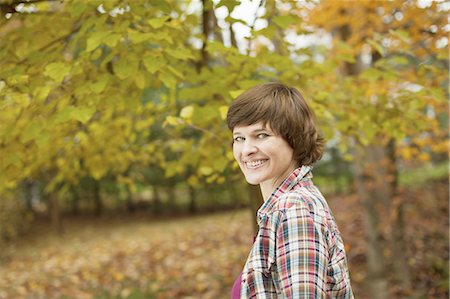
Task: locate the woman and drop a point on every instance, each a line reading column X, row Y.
column 298, row 251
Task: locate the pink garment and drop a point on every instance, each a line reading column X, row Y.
column 236, row 290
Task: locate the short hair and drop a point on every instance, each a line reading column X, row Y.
column 285, row 110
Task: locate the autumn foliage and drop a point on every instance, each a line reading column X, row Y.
column 114, row 105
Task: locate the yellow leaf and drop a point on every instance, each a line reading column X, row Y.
column 223, row 112
column 235, row 93
column 205, row 170
column 187, row 112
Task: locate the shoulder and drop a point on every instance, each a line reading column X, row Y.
column 298, row 199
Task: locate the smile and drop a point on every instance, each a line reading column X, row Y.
column 255, row 164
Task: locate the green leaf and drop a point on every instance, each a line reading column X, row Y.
column 187, row 112
column 83, row 114
column 62, row 116
column 220, row 163
column 139, row 37
column 57, row 71
column 112, row 40
column 157, row 23
column 42, row 138
column 99, row 86
column 235, row 93
column 377, row 46
column 401, row 34
column 31, row 132
column 41, row 92
column 230, row 4
column 126, row 67
column 223, row 112
column 205, row 170
column 347, row 58
column 78, row 9
column 95, row 39
column 284, row 21
column 180, row 53
column 140, row 81
column 168, row 80
column 154, row 63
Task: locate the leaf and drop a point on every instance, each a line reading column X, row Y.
column 62, row 116
column 2, row 85
column 153, row 64
column 284, row 21
column 223, row 112
column 112, row 39
column 235, row 93
column 187, row 112
column 95, row 39
column 100, row 85
column 57, row 71
column 41, row 92
column 31, row 132
column 140, row 80
column 220, row 163
column 139, row 37
column 377, row 46
column 230, row 4
column 401, row 34
column 168, row 80
column 83, row 114
column 205, row 170
column 157, row 23
column 125, row 67
column 180, row 53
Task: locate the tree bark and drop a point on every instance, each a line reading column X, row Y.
column 55, row 213
column 98, row 206
column 192, row 200
column 397, row 234
column 156, row 200
column 207, row 21
column 377, row 283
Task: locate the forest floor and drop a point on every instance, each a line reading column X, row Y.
column 200, row 256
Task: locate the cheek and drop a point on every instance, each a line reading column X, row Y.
column 236, row 152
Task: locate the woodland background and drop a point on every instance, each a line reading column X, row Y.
column 113, row 136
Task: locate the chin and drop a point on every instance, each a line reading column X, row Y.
column 253, row 181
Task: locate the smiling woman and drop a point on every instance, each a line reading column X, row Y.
column 298, row 251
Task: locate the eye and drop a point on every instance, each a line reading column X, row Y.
column 238, row 139
column 262, row 135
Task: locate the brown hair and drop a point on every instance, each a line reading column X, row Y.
column 285, row 110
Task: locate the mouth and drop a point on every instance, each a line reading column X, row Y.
column 254, row 164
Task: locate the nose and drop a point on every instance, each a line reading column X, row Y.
column 249, row 148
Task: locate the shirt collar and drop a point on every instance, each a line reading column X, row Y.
column 299, row 174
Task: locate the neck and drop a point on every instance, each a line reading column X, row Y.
column 267, row 187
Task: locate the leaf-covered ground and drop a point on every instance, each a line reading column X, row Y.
column 196, row 257
column 200, row 257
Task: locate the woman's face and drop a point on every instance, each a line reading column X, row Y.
column 263, row 156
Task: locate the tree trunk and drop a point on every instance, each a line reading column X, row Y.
column 192, row 200
column 255, row 203
column 207, row 21
column 131, row 208
column 377, row 283
column 171, row 197
column 98, row 206
column 156, row 200
column 55, row 213
column 397, row 221
column 75, row 201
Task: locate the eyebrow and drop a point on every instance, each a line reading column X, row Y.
column 254, row 131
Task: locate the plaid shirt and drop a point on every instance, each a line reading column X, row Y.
column 298, row 251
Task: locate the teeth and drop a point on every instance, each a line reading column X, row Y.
column 254, row 163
